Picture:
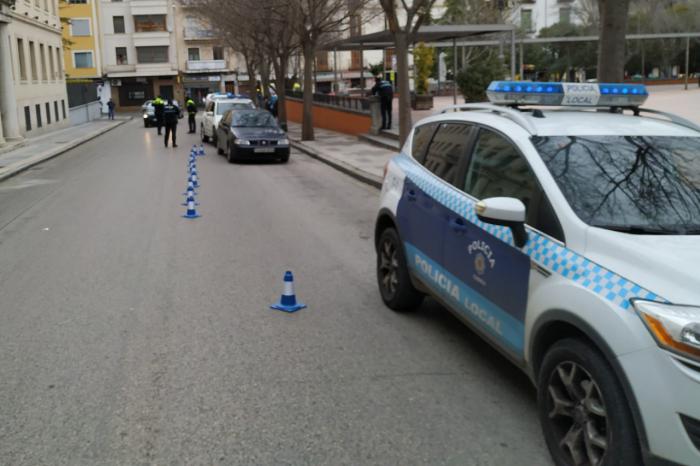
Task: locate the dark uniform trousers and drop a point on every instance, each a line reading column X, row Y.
column 193, row 126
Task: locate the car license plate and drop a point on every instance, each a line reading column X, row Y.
column 264, row 150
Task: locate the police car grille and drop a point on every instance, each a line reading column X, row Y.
column 263, row 142
column 692, row 427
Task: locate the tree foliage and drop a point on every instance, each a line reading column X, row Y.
column 423, row 63
column 475, row 78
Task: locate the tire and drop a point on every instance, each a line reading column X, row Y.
column 230, row 156
column 145, row 123
column 204, row 137
column 580, row 397
column 284, row 158
column 393, row 278
column 219, row 150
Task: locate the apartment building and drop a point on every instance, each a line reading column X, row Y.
column 32, row 84
column 534, row 15
column 81, row 38
column 139, row 56
column 205, row 64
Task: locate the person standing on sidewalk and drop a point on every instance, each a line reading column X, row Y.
column 191, row 112
column 384, row 90
column 158, row 106
column 110, row 109
column 170, row 115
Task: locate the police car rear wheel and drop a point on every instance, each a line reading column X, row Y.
column 583, row 409
column 393, row 278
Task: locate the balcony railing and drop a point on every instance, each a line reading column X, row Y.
column 120, row 68
column 206, row 65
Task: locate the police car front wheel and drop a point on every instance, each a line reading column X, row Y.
column 583, row 410
column 393, row 278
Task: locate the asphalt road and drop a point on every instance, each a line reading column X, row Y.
column 129, row 335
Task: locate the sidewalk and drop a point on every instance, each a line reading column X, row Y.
column 19, row 156
column 343, row 152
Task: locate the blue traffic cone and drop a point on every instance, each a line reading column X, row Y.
column 288, row 301
column 193, row 179
column 190, row 187
column 191, row 210
column 190, row 197
column 201, row 150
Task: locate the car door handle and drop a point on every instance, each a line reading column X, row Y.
column 411, row 195
column 458, row 224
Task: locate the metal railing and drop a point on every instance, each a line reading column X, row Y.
column 345, row 102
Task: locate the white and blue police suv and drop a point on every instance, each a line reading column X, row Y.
column 569, row 238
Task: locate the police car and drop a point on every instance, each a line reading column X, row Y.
column 569, row 238
column 214, row 110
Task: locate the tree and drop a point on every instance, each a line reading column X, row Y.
column 611, row 46
column 475, row 79
column 404, row 22
column 318, row 20
column 423, row 63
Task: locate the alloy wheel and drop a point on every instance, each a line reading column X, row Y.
column 389, row 267
column 577, row 414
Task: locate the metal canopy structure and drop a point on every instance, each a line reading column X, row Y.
column 440, row 35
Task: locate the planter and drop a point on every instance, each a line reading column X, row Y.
column 421, row 102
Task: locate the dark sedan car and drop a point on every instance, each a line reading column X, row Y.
column 251, row 134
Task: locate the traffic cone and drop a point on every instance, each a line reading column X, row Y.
column 191, row 210
column 190, row 197
column 193, row 179
column 190, row 187
column 201, row 150
column 288, row 301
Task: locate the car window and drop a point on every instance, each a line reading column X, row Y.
column 421, row 138
column 253, row 119
column 446, row 149
column 497, row 169
column 223, row 107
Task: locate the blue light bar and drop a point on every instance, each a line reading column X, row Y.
column 566, row 94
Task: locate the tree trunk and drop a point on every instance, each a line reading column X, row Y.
column 281, row 71
column 405, row 121
column 265, row 77
column 307, row 124
column 611, row 47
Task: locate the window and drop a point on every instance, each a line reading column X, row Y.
column 446, row 149
column 82, row 59
column 218, row 53
column 52, row 68
column 48, row 113
column 77, row 1
column 497, row 169
column 149, row 23
column 22, row 62
column 565, row 15
column 44, row 71
column 121, row 56
column 55, row 109
column 154, row 54
column 526, row 20
column 32, row 61
column 193, row 54
column 38, row 115
column 421, row 138
column 118, row 24
column 79, row 27
column 27, row 119
column 59, row 67
column 63, row 107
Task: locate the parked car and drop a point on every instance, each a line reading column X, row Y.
column 148, row 112
column 215, row 109
column 251, row 134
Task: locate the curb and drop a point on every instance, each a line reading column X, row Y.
column 18, row 167
column 361, row 175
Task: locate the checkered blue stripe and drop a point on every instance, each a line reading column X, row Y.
column 542, row 250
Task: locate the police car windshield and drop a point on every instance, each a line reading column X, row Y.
column 635, row 184
column 257, row 119
column 223, row 107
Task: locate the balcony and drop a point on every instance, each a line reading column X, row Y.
column 198, row 33
column 206, row 65
column 120, row 68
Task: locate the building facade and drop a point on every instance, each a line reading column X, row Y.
column 205, row 64
column 32, row 80
column 139, row 55
column 81, row 35
column 534, row 15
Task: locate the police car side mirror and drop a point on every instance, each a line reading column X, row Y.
column 505, row 211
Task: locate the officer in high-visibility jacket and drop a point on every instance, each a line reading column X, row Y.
column 158, row 106
column 191, row 112
column 385, row 91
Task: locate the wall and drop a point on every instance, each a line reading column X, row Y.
column 342, row 121
column 79, row 114
column 81, row 43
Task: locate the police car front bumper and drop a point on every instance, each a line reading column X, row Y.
column 667, row 390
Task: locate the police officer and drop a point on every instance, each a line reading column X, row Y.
column 158, row 106
column 384, row 90
column 191, row 112
column 170, row 115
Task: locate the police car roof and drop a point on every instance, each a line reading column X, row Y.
column 234, row 99
column 568, row 122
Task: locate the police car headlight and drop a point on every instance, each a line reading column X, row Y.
column 675, row 328
column 241, row 142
